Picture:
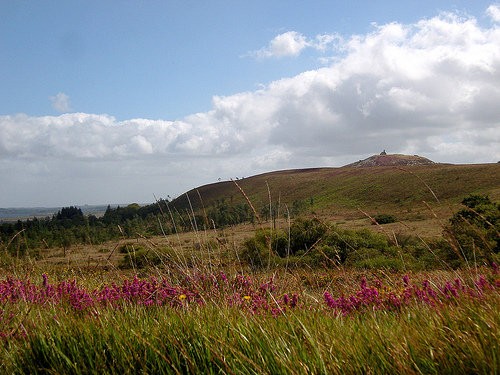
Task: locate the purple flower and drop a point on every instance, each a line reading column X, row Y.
column 45, row 280
column 330, row 301
column 363, row 282
column 406, row 280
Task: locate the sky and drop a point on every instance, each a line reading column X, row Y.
column 124, row 101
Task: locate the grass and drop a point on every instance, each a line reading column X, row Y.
column 342, row 190
column 458, row 336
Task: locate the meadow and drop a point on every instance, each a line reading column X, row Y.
column 341, row 321
column 287, row 295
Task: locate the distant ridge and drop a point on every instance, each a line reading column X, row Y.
column 390, row 160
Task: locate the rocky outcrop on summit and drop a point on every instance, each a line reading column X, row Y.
column 391, row 160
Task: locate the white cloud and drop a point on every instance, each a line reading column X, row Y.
column 493, row 12
column 60, row 102
column 86, row 136
column 397, row 83
column 431, row 88
column 292, row 44
column 287, row 44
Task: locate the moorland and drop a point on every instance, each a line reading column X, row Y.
column 360, row 269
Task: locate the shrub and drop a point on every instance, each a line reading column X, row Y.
column 384, row 219
column 263, row 247
column 305, row 233
column 139, row 258
column 312, row 242
column 473, row 232
column 129, row 247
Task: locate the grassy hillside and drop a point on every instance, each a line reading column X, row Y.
column 349, row 188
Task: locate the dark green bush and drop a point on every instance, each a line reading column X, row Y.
column 473, row 232
column 472, row 235
column 305, row 233
column 385, row 219
column 266, row 244
column 141, row 258
column 263, row 248
column 312, row 242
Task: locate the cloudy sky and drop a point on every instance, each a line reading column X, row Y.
column 120, row 101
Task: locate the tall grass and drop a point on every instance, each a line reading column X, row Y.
column 456, row 339
column 237, row 325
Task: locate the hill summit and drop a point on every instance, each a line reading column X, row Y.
column 390, row 160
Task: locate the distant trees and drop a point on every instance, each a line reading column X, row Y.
column 222, row 214
column 69, row 225
column 69, row 216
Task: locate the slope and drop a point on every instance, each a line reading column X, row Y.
column 347, row 188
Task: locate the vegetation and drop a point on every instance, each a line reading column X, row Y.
column 475, row 230
column 69, row 226
column 295, row 193
column 384, row 219
column 217, row 323
column 395, row 190
column 291, row 291
column 471, row 236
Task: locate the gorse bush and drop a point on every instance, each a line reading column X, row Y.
column 270, row 246
column 313, row 242
column 137, row 257
column 472, row 237
column 474, row 231
column 384, row 219
column 264, row 248
column 306, row 233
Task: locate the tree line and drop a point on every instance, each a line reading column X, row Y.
column 70, row 226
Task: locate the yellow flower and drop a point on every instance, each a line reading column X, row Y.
column 182, row 297
column 247, row 298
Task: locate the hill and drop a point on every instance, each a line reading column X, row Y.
column 391, row 160
column 392, row 188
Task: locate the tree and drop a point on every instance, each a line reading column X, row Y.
column 69, row 216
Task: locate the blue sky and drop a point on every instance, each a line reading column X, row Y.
column 107, row 101
column 166, row 59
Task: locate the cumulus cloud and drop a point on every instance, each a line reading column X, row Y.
column 292, row 43
column 430, row 88
column 60, row 102
column 396, row 87
column 493, row 12
column 87, row 136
